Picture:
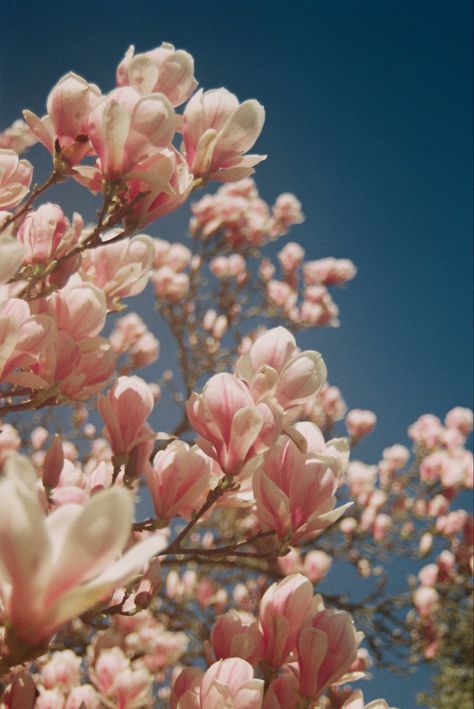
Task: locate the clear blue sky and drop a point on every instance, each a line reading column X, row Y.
column 369, row 115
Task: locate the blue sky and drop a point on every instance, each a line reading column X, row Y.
column 369, row 116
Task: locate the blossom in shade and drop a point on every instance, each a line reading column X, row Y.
column 283, row 608
column 237, row 634
column 326, row 647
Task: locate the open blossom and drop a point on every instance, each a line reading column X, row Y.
column 360, row 422
column 178, row 480
column 164, row 70
column 15, row 178
column 120, row 269
column 79, row 309
column 274, row 365
column 227, row 683
column 69, row 105
column 232, row 426
column 295, row 491
column 164, row 181
column 55, row 568
column 217, row 131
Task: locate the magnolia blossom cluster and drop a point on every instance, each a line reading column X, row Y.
column 292, row 625
column 208, row 602
column 241, row 221
column 131, row 129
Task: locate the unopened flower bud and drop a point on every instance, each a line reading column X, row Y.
column 53, row 463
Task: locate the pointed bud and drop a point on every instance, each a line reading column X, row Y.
column 53, row 463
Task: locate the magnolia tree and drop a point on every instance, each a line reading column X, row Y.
column 212, row 601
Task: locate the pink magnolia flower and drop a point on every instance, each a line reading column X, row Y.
column 295, row 491
column 17, row 137
column 80, row 369
column 318, row 307
column 232, row 426
column 237, row 634
column 281, row 294
column 217, row 131
column 425, row 599
column 115, row 678
column 176, row 256
column 125, row 127
column 327, row 647
column 231, row 681
column 283, row 692
column 283, row 608
column 460, row 418
column 397, row 456
column 170, row 285
column 125, row 410
column 291, row 256
column 285, row 212
column 15, row 178
column 316, row 565
column 120, row 269
column 63, row 670
column 165, row 182
column 23, row 337
column 163, row 70
column 46, row 233
column 79, row 309
column 328, row 271
column 57, row 567
column 228, row 266
column 360, row 422
column 426, row 431
column 131, row 336
column 294, row 377
column 83, row 695
column 178, row 480
column 227, row 683
column 69, row 105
